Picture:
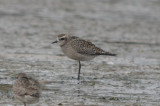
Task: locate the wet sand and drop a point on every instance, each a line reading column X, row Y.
column 130, row 28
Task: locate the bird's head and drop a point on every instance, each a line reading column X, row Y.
column 61, row 39
column 21, row 75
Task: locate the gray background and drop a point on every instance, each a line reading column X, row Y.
column 130, row 28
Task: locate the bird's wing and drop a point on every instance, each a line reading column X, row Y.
column 19, row 88
column 33, row 88
column 27, row 87
column 86, row 47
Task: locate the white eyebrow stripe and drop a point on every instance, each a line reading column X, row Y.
column 57, row 39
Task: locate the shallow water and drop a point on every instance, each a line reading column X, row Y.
column 129, row 28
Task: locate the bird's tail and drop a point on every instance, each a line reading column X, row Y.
column 98, row 51
column 104, row 53
column 109, row 54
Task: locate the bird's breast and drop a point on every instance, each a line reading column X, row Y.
column 73, row 54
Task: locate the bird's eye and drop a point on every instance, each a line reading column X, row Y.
column 62, row 38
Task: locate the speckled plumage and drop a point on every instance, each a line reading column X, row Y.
column 26, row 89
column 79, row 49
column 87, row 48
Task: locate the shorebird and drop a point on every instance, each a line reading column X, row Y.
column 26, row 89
column 79, row 49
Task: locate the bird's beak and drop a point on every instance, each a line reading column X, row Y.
column 54, row 42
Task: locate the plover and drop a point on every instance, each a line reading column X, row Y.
column 26, row 89
column 79, row 49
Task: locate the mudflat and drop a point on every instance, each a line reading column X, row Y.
column 129, row 28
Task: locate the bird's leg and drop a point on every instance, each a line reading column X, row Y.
column 24, row 104
column 79, row 71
